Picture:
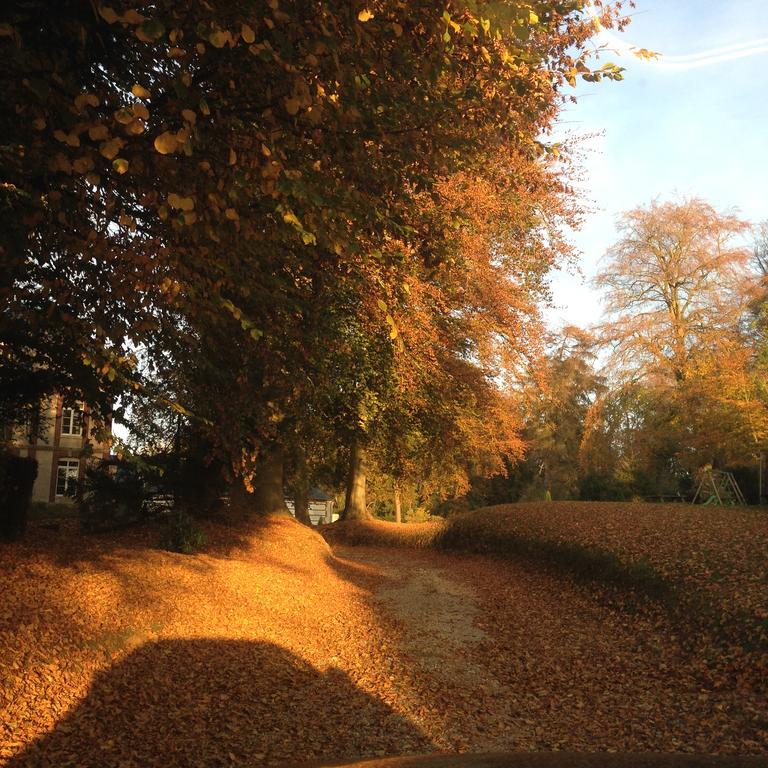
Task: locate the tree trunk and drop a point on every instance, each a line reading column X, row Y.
column 268, row 495
column 301, row 489
column 354, row 506
column 398, row 516
column 240, row 499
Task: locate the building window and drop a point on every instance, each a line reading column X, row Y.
column 66, row 476
column 71, row 421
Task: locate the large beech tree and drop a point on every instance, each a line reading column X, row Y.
column 677, row 285
column 183, row 179
column 679, row 288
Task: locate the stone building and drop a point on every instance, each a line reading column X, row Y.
column 64, row 442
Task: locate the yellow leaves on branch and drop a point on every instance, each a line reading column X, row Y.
column 180, row 202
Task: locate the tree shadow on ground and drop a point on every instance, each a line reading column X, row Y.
column 202, row 702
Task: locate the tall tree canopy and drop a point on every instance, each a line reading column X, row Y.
column 188, row 180
column 676, row 284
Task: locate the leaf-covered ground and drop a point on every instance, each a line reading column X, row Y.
column 269, row 648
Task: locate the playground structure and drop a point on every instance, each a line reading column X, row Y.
column 719, row 487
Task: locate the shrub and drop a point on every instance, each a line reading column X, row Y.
column 182, row 534
column 598, row 486
column 111, row 499
column 17, row 477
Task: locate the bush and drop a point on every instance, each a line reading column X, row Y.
column 17, row 477
column 182, row 534
column 598, row 486
column 111, row 499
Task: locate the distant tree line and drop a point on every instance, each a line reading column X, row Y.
column 672, row 381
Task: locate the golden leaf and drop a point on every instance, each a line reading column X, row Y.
column 109, row 149
column 247, row 33
column 231, row 214
column 120, row 165
column 219, row 38
column 397, row 29
column 292, row 106
column 166, row 143
column 98, row 132
column 133, row 17
column 180, row 202
column 140, row 111
column 140, row 92
column 135, row 127
column 83, row 164
column 189, row 116
column 232, row 157
column 108, row 14
column 81, row 100
column 38, row 124
column 365, row 15
column 124, row 116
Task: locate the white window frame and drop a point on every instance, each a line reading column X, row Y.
column 69, row 425
column 70, row 474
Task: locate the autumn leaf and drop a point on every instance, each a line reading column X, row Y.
column 140, row 92
column 247, row 33
column 109, row 149
column 166, row 143
column 180, row 202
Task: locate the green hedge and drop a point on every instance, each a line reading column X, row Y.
column 17, row 477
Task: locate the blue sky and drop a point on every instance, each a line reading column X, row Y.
column 667, row 131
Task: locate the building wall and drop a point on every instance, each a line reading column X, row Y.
column 318, row 511
column 51, row 446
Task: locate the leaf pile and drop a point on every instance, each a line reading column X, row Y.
column 116, row 653
column 268, row 649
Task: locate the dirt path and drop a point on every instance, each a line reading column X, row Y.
column 511, row 659
column 437, row 615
